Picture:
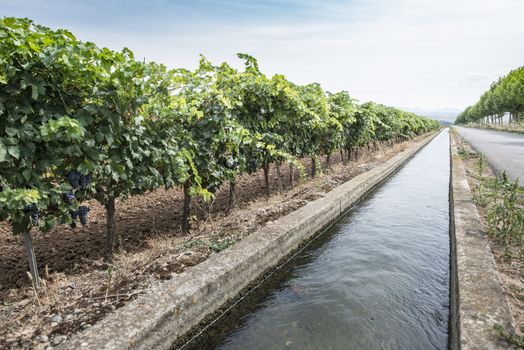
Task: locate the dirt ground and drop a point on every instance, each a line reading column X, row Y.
column 80, row 289
column 511, row 269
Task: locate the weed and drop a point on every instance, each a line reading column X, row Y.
column 505, row 215
column 481, row 166
column 109, row 278
column 481, row 188
column 517, row 292
column 34, row 288
column 193, row 243
column 509, row 335
column 218, row 245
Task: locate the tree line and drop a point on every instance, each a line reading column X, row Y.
column 504, row 97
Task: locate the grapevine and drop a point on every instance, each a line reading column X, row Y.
column 117, row 126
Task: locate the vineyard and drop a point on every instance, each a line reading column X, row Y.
column 506, row 95
column 82, row 123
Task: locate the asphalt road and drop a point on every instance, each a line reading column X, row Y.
column 503, row 150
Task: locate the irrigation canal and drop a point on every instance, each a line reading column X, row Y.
column 377, row 279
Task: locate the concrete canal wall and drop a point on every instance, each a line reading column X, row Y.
column 477, row 300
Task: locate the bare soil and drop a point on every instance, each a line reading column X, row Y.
column 509, row 266
column 80, row 289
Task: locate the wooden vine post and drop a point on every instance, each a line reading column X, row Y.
column 31, row 258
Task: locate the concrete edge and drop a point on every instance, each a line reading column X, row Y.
column 477, row 300
column 157, row 319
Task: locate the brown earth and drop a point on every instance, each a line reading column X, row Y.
column 80, row 289
column 510, row 267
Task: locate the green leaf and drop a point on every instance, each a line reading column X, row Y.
column 27, row 174
column 3, row 152
column 22, row 226
column 109, row 139
column 34, row 47
column 14, row 151
column 11, row 131
column 49, row 223
column 63, row 128
column 99, row 137
column 34, row 92
column 65, row 59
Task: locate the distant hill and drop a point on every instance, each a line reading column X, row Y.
column 442, row 114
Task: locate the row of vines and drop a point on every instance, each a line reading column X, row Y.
column 505, row 96
column 79, row 122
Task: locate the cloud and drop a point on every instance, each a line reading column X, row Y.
column 425, row 53
column 474, row 78
column 424, row 77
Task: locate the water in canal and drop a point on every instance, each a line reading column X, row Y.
column 377, row 279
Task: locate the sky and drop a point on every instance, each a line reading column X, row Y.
column 429, row 56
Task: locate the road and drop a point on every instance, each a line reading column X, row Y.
column 503, row 150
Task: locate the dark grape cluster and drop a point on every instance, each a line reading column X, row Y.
column 74, row 217
column 68, row 197
column 30, row 208
column 34, row 213
column 231, row 163
column 73, row 177
column 82, row 214
column 84, row 181
column 251, row 165
column 76, row 179
column 34, row 218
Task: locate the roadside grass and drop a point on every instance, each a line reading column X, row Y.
column 509, row 335
column 504, row 204
column 514, row 128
